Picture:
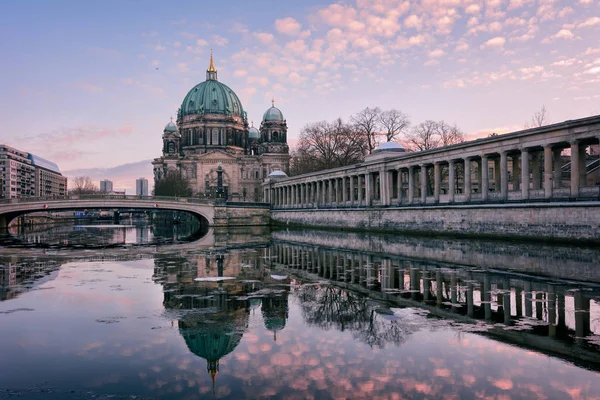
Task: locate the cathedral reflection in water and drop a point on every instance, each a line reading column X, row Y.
column 213, row 295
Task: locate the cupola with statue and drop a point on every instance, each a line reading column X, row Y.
column 171, row 140
column 273, row 131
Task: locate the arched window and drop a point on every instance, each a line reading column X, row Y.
column 275, row 136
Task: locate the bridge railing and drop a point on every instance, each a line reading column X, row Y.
column 107, row 197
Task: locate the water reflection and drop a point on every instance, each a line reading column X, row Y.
column 102, row 235
column 292, row 315
column 213, row 294
column 528, row 308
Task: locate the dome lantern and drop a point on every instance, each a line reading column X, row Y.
column 211, row 72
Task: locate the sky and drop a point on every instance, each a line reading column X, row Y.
column 91, row 85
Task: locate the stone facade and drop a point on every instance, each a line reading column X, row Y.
column 212, row 129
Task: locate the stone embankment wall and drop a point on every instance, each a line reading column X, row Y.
column 241, row 215
column 549, row 221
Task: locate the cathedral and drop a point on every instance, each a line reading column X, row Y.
column 212, row 130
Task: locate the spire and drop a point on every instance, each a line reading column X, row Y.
column 273, row 101
column 211, row 66
column 211, row 72
column 171, row 118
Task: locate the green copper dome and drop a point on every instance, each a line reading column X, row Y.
column 171, row 127
column 273, row 114
column 212, row 97
column 253, row 133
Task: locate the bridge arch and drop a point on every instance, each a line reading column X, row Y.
column 12, row 208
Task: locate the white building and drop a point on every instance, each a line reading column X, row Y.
column 141, row 187
column 106, row 186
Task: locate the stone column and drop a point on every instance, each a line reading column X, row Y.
column 557, row 175
column 359, row 179
column 451, row 181
column 503, row 175
column 467, row 179
column 437, row 180
column 497, row 180
column 344, row 191
column 485, row 181
column 411, row 184
column 535, row 171
column 423, row 183
column 399, row 186
column 547, row 171
column 317, row 193
column 336, row 190
column 575, row 167
column 302, row 197
column 389, row 179
column 382, row 187
column 351, row 191
column 516, row 178
column 582, row 313
column 524, row 174
column 368, row 187
column 582, row 165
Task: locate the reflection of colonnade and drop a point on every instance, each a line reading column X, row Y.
column 559, row 309
column 551, row 162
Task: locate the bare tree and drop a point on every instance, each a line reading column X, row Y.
column 367, row 123
column 423, row 136
column 394, row 123
column 325, row 145
column 539, row 118
column 83, row 185
column 431, row 134
column 449, row 134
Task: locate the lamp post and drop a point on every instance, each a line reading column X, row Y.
column 220, row 195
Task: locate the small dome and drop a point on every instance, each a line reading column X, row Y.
column 391, row 147
column 273, row 114
column 278, row 174
column 171, row 127
column 253, row 133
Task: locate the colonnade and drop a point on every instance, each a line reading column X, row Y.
column 553, row 170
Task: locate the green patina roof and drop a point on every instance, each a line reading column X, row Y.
column 253, row 133
column 171, row 127
column 273, row 114
column 211, row 97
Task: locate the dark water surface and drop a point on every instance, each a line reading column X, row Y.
column 295, row 314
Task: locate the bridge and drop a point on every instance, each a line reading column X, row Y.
column 225, row 214
column 503, row 181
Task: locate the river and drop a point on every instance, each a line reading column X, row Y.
column 164, row 311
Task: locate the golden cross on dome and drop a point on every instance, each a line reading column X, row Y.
column 211, row 66
column 171, row 118
column 273, row 101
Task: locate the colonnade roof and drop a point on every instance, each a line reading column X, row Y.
column 592, row 123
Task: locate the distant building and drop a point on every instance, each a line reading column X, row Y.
column 141, row 187
column 106, row 186
column 23, row 174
